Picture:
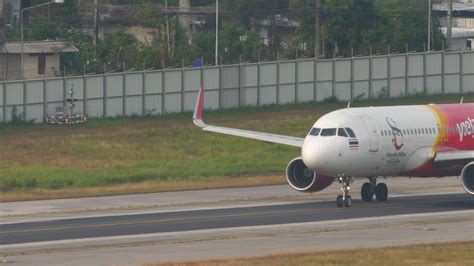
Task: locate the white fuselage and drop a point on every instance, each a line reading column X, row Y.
column 388, row 141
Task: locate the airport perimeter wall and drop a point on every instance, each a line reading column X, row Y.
column 154, row 92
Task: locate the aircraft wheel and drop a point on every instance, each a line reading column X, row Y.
column 348, row 201
column 340, row 201
column 367, row 192
column 381, row 192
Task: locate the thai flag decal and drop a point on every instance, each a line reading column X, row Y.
column 353, row 143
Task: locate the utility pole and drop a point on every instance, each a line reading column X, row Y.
column 450, row 22
column 168, row 31
column 96, row 25
column 217, row 33
column 317, row 35
column 185, row 20
column 429, row 25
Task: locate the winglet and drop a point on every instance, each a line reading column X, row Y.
column 462, row 100
column 348, row 104
column 197, row 117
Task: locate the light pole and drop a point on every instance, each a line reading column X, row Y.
column 429, row 25
column 21, row 29
column 217, row 32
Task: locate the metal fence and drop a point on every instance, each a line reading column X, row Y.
column 174, row 90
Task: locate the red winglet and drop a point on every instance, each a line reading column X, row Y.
column 197, row 117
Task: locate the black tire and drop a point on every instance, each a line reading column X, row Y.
column 381, row 192
column 367, row 192
column 348, row 201
column 339, row 201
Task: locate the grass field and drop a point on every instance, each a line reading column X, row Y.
column 458, row 253
column 157, row 152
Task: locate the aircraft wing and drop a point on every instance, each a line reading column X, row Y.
column 453, row 156
column 267, row 137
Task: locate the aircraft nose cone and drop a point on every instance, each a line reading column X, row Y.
column 309, row 153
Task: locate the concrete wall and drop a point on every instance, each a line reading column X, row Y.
column 171, row 91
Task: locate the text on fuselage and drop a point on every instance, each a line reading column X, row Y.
column 465, row 128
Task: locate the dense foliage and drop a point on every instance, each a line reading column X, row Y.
column 347, row 27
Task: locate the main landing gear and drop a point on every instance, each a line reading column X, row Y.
column 345, row 199
column 371, row 188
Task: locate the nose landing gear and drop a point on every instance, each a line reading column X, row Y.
column 345, row 199
column 371, row 188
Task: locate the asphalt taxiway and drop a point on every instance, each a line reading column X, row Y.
column 136, row 224
column 229, row 223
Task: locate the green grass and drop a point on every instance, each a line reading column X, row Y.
column 113, row 151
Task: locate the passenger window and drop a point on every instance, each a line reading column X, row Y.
column 341, row 132
column 350, row 132
column 328, row 132
column 315, row 131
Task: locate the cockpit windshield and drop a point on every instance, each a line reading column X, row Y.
column 315, row 131
column 327, row 132
column 341, row 132
column 350, row 132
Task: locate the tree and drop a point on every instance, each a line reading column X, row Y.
column 350, row 25
column 148, row 15
column 118, row 49
column 405, row 25
column 65, row 14
column 76, row 62
column 258, row 10
column 235, row 41
column 302, row 11
column 204, row 46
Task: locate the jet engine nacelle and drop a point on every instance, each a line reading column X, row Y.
column 304, row 179
column 467, row 177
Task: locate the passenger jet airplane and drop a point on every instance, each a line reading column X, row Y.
column 414, row 141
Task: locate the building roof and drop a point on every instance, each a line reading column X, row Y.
column 280, row 21
column 459, row 32
column 47, row 47
column 466, row 7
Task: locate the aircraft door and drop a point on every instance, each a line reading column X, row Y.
column 372, row 130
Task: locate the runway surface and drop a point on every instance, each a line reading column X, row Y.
column 229, row 223
column 225, row 218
